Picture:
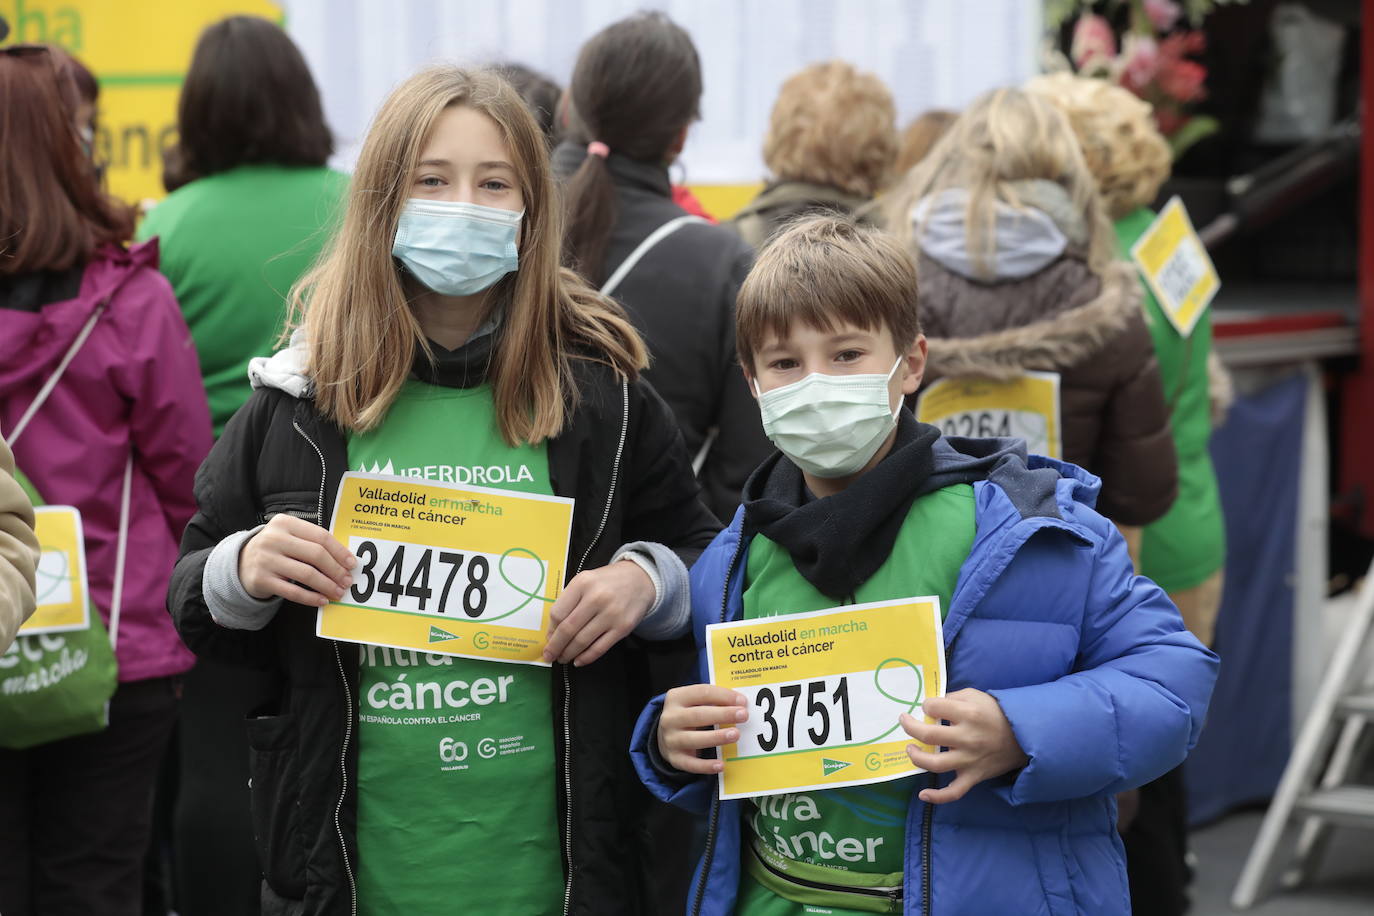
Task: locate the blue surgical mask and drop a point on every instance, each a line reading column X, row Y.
column 457, row 249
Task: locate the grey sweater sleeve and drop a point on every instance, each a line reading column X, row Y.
column 230, row 605
column 670, row 616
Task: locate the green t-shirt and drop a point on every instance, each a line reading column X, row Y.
column 456, row 769
column 858, row 830
column 1188, row 544
column 232, row 245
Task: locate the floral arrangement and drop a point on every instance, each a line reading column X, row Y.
column 1154, row 59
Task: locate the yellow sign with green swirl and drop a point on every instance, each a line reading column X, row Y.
column 452, row 570
column 63, row 597
column 825, row 690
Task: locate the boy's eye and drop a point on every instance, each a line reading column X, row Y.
column 782, row 365
column 848, row 356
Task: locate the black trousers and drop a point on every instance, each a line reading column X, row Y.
column 1157, row 847
column 214, row 861
column 77, row 812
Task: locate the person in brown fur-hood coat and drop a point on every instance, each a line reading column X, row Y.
column 1017, row 273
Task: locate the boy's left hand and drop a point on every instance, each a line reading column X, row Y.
column 979, row 737
column 598, row 609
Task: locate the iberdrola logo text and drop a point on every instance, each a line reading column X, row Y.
column 491, row 475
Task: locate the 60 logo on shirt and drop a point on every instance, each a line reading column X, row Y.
column 448, row 569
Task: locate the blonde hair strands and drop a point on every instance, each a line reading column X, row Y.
column 362, row 333
column 1006, row 136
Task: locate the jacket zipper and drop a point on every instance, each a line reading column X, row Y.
column 890, row 893
column 714, row 822
column 567, row 681
column 927, row 818
column 348, row 702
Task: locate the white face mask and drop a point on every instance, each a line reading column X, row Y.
column 830, row 425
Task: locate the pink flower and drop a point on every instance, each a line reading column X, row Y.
column 1182, row 80
column 1093, row 42
column 1163, row 14
column 1139, row 62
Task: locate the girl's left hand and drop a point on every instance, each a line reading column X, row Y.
column 979, row 737
column 598, row 609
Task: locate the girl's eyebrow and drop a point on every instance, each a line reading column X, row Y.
column 493, row 164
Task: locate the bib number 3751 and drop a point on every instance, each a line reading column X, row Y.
column 821, row 702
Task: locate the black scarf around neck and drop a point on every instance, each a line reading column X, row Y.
column 838, row 542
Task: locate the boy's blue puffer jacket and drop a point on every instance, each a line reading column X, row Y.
column 1104, row 688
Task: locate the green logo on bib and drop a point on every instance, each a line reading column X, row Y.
column 829, row 766
column 438, row 635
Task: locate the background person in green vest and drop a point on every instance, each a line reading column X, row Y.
column 1184, row 551
column 251, row 200
column 440, row 338
column 250, row 208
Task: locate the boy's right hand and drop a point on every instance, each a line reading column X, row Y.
column 294, row 559
column 685, row 726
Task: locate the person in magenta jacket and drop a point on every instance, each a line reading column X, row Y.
column 76, row 811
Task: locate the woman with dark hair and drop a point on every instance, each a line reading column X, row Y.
column 250, row 197
column 99, row 397
column 252, row 206
column 635, row 91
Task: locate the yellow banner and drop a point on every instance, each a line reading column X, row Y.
column 139, row 53
column 453, row 570
column 61, row 585
column 824, row 691
column 1026, row 407
column 1177, row 267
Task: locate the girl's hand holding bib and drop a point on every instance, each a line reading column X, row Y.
column 599, row 608
column 293, row 559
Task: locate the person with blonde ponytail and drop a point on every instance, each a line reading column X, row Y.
column 438, row 334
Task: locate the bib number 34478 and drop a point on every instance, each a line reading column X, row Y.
column 444, row 583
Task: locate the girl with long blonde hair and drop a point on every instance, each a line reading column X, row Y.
column 438, row 337
column 1019, row 273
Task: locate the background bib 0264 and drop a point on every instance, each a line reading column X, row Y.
column 448, row 569
column 824, row 691
column 1026, row 407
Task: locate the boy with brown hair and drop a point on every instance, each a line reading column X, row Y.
column 1069, row 678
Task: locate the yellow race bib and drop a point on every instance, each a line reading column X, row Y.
column 825, row 690
column 1026, row 407
column 447, row 569
column 60, row 584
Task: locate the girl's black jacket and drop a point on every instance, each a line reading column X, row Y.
column 620, row 457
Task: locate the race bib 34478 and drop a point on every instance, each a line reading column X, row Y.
column 825, row 690
column 455, row 570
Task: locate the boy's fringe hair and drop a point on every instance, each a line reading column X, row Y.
column 363, row 335
column 825, row 271
column 1124, row 150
